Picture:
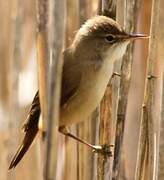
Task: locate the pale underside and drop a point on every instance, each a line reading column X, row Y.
column 91, row 88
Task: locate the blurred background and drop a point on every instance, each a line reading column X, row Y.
column 19, row 82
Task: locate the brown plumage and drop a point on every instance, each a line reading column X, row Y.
column 88, row 66
column 77, row 63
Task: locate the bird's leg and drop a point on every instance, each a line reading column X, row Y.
column 104, row 149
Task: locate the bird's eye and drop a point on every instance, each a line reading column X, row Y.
column 110, row 38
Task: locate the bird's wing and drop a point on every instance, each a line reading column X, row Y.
column 70, row 81
column 71, row 77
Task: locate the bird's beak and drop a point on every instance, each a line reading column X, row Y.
column 136, row 36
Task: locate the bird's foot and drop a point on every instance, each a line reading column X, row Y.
column 103, row 149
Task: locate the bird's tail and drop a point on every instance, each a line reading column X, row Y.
column 30, row 128
column 27, row 141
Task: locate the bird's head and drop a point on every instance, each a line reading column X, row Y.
column 103, row 36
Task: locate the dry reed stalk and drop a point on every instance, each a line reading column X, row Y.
column 130, row 21
column 56, row 40
column 13, row 71
column 5, row 74
column 161, row 146
column 50, row 37
column 42, row 56
column 43, row 70
column 148, row 141
column 160, row 124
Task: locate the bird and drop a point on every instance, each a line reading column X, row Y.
column 87, row 69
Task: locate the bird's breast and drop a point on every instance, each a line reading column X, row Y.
column 89, row 94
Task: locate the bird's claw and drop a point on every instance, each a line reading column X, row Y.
column 104, row 149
